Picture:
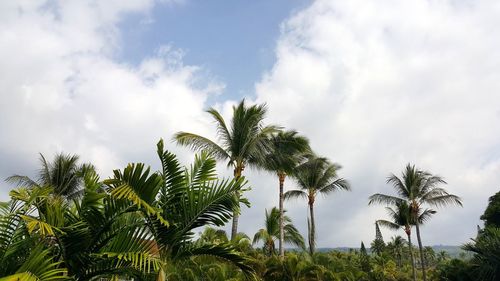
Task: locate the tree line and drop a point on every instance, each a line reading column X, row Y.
column 68, row 224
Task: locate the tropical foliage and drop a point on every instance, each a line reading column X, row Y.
column 69, row 224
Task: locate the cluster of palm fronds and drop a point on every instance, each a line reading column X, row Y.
column 139, row 224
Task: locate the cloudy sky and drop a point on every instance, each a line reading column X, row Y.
column 373, row 84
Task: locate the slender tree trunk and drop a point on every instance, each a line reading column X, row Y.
column 312, row 229
column 234, row 227
column 421, row 249
column 411, row 256
column 236, row 214
column 281, row 222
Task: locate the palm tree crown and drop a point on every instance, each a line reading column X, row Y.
column 417, row 188
column 270, row 233
column 63, row 174
column 242, row 143
column 287, row 150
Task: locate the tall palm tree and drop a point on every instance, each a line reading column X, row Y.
column 417, row 188
column 63, row 174
column 241, row 144
column 316, row 176
column 271, row 232
column 400, row 219
column 287, row 150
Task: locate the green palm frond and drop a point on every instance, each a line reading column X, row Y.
column 143, row 262
column 210, row 204
column 41, row 227
column 39, row 266
column 294, row 194
column 21, row 181
column 389, row 224
column 222, row 130
column 203, row 169
column 199, row 143
column 384, row 199
column 222, row 252
column 135, row 184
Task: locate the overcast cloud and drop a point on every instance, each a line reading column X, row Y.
column 373, row 84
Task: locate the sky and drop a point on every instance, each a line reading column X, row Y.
column 374, row 85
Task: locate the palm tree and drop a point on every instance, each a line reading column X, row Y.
column 287, row 150
column 271, row 232
column 63, row 174
column 176, row 201
column 417, row 188
column 316, row 176
column 396, row 245
column 242, row 143
column 95, row 237
column 401, row 219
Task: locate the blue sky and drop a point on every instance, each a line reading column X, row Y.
column 233, row 40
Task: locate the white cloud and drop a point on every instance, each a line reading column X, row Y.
column 61, row 89
column 378, row 84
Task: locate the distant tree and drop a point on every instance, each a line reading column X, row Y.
column 401, row 219
column 364, row 259
column 396, row 248
column 378, row 245
column 454, row 270
column 270, row 233
column 491, row 216
column 316, row 176
column 442, row 256
column 417, row 188
column 64, row 175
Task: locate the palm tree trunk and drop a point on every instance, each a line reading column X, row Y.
column 281, row 222
column 312, row 229
column 236, row 215
column 421, row 249
column 411, row 256
column 234, row 227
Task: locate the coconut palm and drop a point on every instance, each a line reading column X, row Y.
column 176, row 201
column 417, row 188
column 241, row 144
column 63, row 174
column 401, row 219
column 316, row 176
column 271, row 232
column 287, row 150
column 396, row 246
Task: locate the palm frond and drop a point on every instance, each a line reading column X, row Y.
column 295, row 194
column 222, row 252
column 444, row 200
column 389, row 224
column 384, row 199
column 136, row 185
column 199, row 143
column 21, row 181
column 41, row 266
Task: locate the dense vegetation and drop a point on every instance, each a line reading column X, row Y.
column 69, row 224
